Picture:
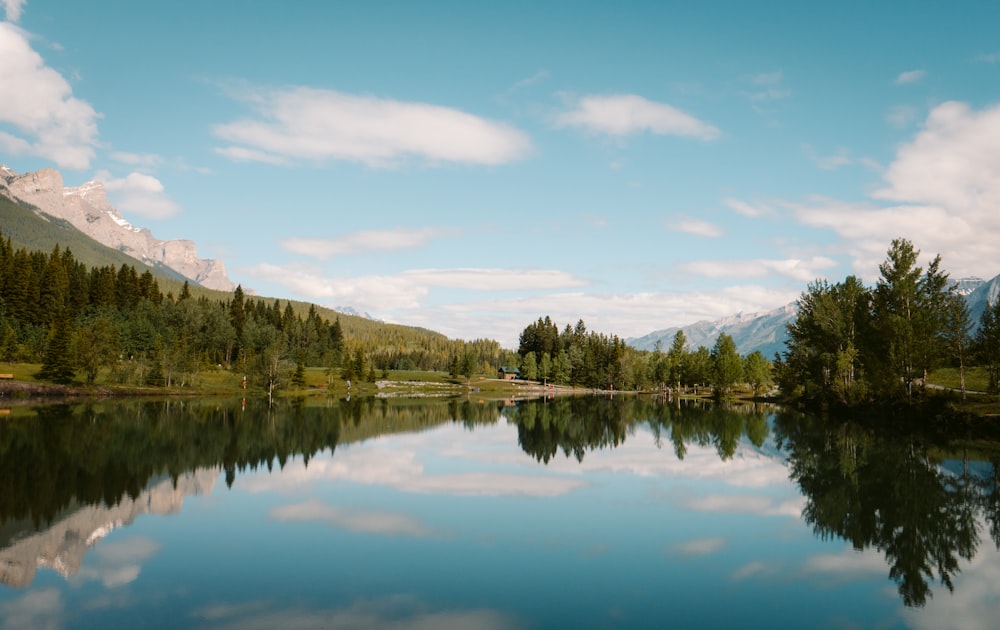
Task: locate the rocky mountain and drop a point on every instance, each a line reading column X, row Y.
column 87, row 208
column 750, row 331
column 766, row 331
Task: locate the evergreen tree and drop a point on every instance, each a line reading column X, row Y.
column 757, row 371
column 57, row 365
column 988, row 344
column 727, row 366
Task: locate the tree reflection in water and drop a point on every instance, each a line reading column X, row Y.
column 890, row 490
column 919, row 500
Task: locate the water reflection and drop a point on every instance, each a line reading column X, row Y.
column 895, row 492
column 71, row 474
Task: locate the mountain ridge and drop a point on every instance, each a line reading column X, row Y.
column 87, row 208
column 766, row 331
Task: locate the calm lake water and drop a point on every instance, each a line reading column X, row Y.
column 580, row 512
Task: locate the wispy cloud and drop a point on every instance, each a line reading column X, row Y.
column 746, row 209
column 13, row 9
column 697, row 227
column 398, row 612
column 303, row 123
column 749, row 570
column 910, row 76
column 366, row 241
column 901, row 116
column 993, row 57
column 700, row 547
column 38, row 103
column 406, row 289
column 535, row 79
column 767, row 86
column 140, row 194
column 625, row 114
column 849, row 563
column 797, row 269
column 496, row 279
column 352, row 520
column 828, row 162
column 747, row 504
column 41, row 609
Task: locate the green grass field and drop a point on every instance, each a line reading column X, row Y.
column 976, row 379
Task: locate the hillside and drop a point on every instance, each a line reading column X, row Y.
column 40, row 232
column 37, row 231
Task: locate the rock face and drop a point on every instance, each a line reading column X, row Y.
column 87, row 208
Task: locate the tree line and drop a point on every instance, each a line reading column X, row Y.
column 576, row 356
column 79, row 322
column 851, row 344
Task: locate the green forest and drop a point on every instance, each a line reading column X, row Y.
column 852, row 345
column 113, row 325
column 83, row 322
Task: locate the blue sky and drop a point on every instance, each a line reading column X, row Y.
column 469, row 167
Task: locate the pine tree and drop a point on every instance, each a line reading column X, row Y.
column 57, row 365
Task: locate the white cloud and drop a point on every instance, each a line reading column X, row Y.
column 13, row 9
column 398, row 612
column 944, row 191
column 243, row 154
column 624, row 114
column 794, row 268
column 747, row 504
column 910, row 76
column 119, row 563
column 700, row 547
column 746, row 209
column 989, row 58
column 627, row 315
column 365, row 293
column 138, row 193
column 39, row 609
column 697, row 228
column 352, row 520
column 406, row 289
column 847, row 564
column 309, row 124
column 400, row 468
column 496, row 279
column 749, row 570
column 953, row 162
column 38, row 105
column 975, row 601
column 366, row 241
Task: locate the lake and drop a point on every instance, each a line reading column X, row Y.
column 570, row 512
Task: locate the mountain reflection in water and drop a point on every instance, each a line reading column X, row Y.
column 71, row 474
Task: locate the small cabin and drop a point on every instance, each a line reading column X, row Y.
column 508, row 373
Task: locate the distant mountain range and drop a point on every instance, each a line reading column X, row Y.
column 766, row 331
column 87, row 209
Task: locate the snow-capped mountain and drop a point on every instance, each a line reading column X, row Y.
column 750, row 331
column 766, row 331
column 87, row 208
